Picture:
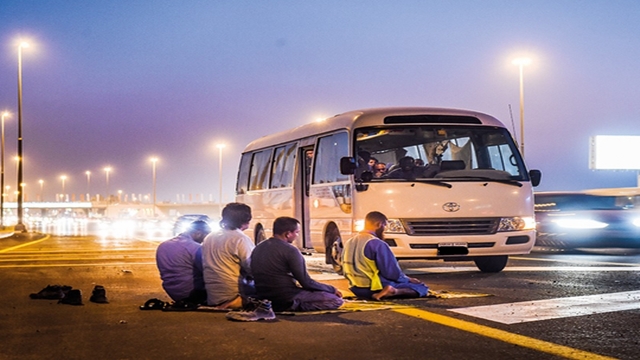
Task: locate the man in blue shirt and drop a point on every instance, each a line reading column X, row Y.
column 179, row 261
column 372, row 269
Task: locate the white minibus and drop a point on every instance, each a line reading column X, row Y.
column 454, row 185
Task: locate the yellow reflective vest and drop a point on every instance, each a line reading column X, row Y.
column 358, row 269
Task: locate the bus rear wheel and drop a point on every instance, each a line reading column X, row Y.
column 333, row 248
column 260, row 236
column 491, row 264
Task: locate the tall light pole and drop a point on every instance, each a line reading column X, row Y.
column 154, row 160
column 521, row 63
column 41, row 182
column 88, row 173
column 20, row 225
column 4, row 114
column 63, row 178
column 107, row 170
column 220, row 147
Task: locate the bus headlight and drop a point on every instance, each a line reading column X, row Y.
column 517, row 223
column 358, row 225
column 394, row 226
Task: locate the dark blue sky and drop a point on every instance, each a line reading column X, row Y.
column 115, row 82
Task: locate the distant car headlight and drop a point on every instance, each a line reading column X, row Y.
column 517, row 223
column 394, row 226
column 580, row 224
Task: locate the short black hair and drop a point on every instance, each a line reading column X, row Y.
column 200, row 225
column 375, row 217
column 285, row 224
column 234, row 215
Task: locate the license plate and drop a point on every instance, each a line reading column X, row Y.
column 453, row 244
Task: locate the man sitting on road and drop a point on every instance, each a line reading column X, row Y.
column 226, row 257
column 179, row 261
column 281, row 275
column 372, row 269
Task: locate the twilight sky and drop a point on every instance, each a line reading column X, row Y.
column 115, row 82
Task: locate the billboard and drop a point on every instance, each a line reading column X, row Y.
column 614, row 152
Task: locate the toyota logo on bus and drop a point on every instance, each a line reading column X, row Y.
column 451, row 207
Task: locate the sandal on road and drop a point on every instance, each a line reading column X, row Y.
column 154, row 304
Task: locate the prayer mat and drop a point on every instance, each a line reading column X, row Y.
column 350, row 306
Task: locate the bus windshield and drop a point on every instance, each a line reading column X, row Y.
column 449, row 153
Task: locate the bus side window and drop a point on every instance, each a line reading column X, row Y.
column 282, row 169
column 259, row 176
column 243, row 174
column 327, row 163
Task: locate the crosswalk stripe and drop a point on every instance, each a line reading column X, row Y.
column 527, row 311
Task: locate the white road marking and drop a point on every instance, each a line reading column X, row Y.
column 527, row 311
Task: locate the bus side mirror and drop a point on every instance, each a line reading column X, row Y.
column 348, row 165
column 536, row 176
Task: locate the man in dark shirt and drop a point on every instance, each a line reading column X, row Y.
column 280, row 273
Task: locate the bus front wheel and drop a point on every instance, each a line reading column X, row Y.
column 491, row 264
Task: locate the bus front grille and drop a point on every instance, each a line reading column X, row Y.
column 443, row 227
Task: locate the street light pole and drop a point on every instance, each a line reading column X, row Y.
column 154, row 160
column 41, row 189
column 4, row 114
column 88, row 173
column 521, row 62
column 63, row 178
column 220, row 147
column 107, row 170
column 20, row 225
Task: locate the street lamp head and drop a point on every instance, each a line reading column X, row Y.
column 41, row 181
column 24, row 44
column 107, row 169
column 153, row 159
column 87, row 172
column 221, row 146
column 63, row 177
column 521, row 61
column 5, row 114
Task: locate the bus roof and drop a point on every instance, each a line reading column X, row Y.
column 361, row 118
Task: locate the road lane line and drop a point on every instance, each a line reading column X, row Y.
column 570, row 261
column 25, row 244
column 427, row 270
column 527, row 311
column 505, row 336
column 124, row 264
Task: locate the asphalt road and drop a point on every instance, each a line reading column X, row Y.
column 517, row 324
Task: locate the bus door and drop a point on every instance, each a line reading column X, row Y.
column 303, row 182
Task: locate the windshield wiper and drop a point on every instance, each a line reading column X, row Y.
column 484, row 178
column 422, row 181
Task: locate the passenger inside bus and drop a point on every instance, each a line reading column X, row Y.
column 408, row 170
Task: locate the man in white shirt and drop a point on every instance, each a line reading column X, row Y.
column 226, row 257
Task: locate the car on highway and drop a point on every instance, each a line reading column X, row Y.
column 182, row 223
column 597, row 218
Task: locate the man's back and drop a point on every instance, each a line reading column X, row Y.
column 180, row 265
column 226, row 258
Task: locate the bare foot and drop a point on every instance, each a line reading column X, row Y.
column 234, row 304
column 387, row 291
